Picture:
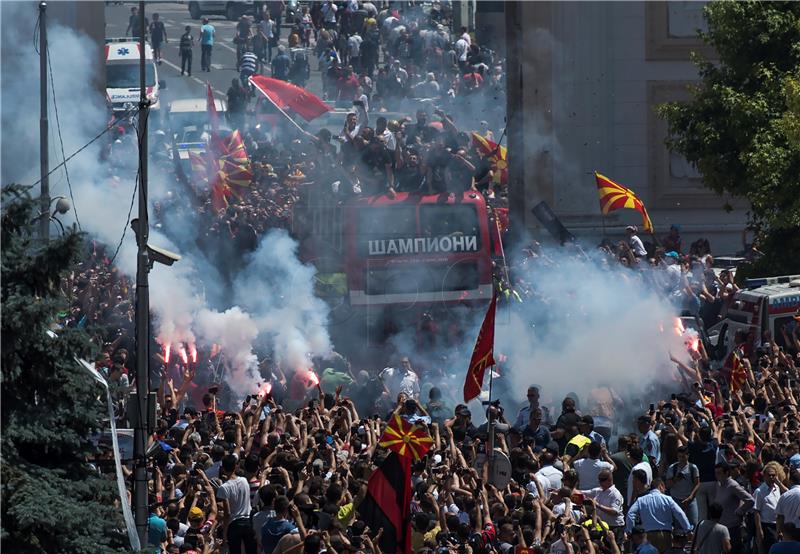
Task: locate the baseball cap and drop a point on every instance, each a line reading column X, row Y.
column 196, row 513
column 463, row 411
column 794, row 461
column 671, row 254
column 587, row 419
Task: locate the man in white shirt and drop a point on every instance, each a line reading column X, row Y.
column 788, row 508
column 552, row 474
column 766, row 498
column 403, row 380
column 462, row 48
column 235, row 493
column 636, row 454
column 609, row 502
column 589, row 468
column 635, row 242
column 329, row 14
column 354, row 49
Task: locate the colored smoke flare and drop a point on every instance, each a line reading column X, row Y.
column 266, row 389
column 679, row 328
column 167, row 350
column 184, row 356
column 193, row 353
column 694, row 344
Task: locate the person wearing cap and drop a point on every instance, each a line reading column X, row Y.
column 735, row 502
column 461, row 425
column 658, row 512
column 586, row 428
column 640, row 543
column 636, row 244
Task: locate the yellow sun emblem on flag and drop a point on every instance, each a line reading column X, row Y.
column 407, row 439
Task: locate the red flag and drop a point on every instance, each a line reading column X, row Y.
column 387, row 504
column 286, row 95
column 482, row 354
column 211, row 106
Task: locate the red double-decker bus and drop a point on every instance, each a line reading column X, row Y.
column 417, row 250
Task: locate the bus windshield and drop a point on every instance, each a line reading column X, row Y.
column 126, row 75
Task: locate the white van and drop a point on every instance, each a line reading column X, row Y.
column 122, row 74
column 764, row 305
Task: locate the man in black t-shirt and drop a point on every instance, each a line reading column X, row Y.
column 135, row 26
column 377, row 161
column 158, row 34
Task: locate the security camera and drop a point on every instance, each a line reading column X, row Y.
column 161, row 255
column 63, row 206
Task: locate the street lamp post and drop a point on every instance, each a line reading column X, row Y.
column 141, row 430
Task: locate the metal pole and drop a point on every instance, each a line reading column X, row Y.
column 141, row 431
column 44, row 161
column 490, row 427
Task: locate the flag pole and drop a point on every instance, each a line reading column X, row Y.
column 286, row 115
column 490, row 425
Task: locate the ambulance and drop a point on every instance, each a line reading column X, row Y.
column 766, row 307
column 122, row 75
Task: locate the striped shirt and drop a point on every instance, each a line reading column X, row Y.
column 249, row 63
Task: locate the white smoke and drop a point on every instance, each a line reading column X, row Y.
column 283, row 311
column 234, row 331
column 278, row 290
column 597, row 326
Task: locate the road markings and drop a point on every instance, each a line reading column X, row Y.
column 177, row 68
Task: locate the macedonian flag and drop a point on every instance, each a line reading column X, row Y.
column 407, row 439
column 614, row 196
column 496, row 154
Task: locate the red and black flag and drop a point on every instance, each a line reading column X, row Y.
column 482, row 354
column 387, row 504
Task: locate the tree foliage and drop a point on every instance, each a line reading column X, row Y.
column 742, row 127
column 52, row 500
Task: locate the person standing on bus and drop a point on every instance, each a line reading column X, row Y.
column 403, row 380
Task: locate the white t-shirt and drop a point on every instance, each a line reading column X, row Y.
column 354, row 46
column 637, row 246
column 237, row 493
column 588, row 470
column 462, row 48
column 644, row 466
column 552, row 475
column 789, row 506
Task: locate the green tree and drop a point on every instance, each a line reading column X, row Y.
column 52, row 500
column 741, row 127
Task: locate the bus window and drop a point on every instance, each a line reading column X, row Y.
column 448, row 220
column 382, row 223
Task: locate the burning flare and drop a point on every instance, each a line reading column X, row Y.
column 167, row 350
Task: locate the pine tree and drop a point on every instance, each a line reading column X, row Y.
column 52, row 499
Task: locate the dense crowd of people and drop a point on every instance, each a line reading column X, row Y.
column 713, row 468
